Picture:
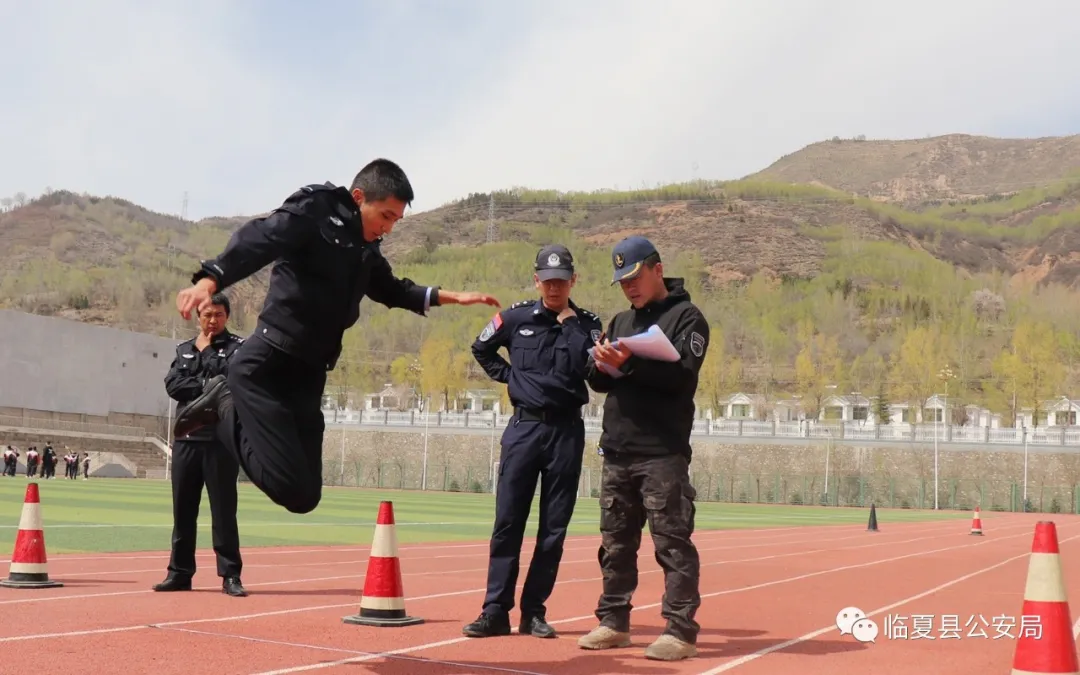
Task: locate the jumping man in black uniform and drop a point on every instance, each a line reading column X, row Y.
column 648, row 417
column 548, row 342
column 325, row 241
column 199, row 459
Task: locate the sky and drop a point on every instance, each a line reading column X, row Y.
column 240, row 102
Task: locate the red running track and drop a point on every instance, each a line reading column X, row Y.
column 770, row 598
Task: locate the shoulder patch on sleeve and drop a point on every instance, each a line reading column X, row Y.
column 697, row 344
column 492, row 327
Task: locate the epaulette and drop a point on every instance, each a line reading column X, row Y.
column 523, row 303
column 292, row 203
column 185, row 342
column 588, row 314
column 236, row 338
column 317, row 187
column 346, row 211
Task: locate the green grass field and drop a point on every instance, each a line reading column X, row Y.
column 113, row 515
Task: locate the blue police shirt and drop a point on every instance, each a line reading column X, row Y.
column 548, row 360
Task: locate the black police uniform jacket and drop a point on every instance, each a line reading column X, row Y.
column 548, row 360
column 649, row 410
column 324, row 269
column 191, row 369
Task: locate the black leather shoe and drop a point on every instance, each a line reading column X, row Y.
column 232, row 586
column 173, row 583
column 487, row 625
column 536, row 626
column 203, row 411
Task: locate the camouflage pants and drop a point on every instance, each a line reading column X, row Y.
column 657, row 490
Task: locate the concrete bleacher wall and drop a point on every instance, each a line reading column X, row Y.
column 57, row 365
column 68, row 378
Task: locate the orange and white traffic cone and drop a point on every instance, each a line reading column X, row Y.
column 1045, row 643
column 383, row 601
column 976, row 523
column 29, row 566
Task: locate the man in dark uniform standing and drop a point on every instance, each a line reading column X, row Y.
column 48, row 461
column 199, row 459
column 548, row 342
column 326, row 244
column 648, row 417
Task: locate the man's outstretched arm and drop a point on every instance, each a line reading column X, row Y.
column 389, row 290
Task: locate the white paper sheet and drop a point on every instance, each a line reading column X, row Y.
column 652, row 344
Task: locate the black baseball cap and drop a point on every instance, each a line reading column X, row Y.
column 554, row 262
column 629, row 256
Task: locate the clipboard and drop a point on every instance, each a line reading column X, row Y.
column 652, row 345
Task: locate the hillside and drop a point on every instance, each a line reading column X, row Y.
column 102, row 260
column 956, row 166
column 807, row 287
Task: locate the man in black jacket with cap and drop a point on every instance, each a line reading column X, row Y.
column 648, row 417
column 324, row 241
column 548, row 342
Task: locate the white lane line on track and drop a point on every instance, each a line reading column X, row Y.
column 761, row 542
column 296, row 610
column 876, row 544
column 742, row 660
column 432, row 645
column 353, row 652
column 817, row 540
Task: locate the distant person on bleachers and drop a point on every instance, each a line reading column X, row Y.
column 200, row 458
column 71, row 459
column 32, row 460
column 11, row 460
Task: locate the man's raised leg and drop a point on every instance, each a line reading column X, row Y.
column 272, row 421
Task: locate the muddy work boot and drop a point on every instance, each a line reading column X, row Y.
column 604, row 637
column 670, row 648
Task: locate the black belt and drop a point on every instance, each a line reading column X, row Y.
column 548, row 414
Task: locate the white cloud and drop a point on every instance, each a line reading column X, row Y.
column 149, row 100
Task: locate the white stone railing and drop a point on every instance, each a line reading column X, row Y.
column 740, row 428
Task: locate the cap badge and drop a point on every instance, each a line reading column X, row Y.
column 619, row 261
column 553, row 260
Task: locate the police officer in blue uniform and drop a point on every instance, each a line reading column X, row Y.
column 199, row 459
column 548, row 342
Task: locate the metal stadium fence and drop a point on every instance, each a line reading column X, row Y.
column 842, row 490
